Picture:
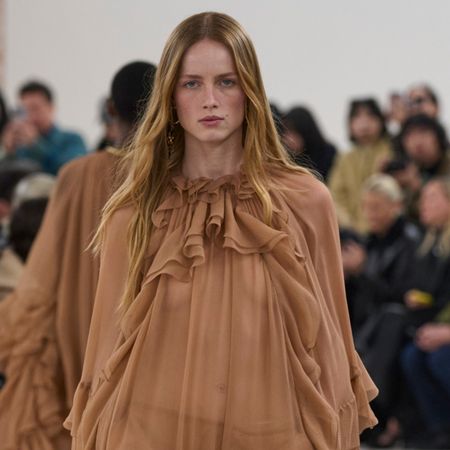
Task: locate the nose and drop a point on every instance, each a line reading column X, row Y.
column 210, row 100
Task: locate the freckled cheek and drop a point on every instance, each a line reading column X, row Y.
column 185, row 107
column 237, row 105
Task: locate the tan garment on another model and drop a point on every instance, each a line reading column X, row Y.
column 44, row 324
column 347, row 177
column 11, row 267
column 239, row 337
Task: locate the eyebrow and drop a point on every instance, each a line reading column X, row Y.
column 228, row 74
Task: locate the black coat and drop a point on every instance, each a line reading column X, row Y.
column 432, row 275
column 387, row 273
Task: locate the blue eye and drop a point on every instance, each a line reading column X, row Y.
column 227, row 82
column 191, row 84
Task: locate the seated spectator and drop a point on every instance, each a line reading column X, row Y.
column 425, row 143
column 407, row 175
column 351, row 170
column 396, row 112
column 24, row 225
column 35, row 135
column 306, row 142
column 10, row 175
column 427, row 293
column 421, row 99
column 426, row 365
column 35, row 185
column 377, row 272
column 430, row 289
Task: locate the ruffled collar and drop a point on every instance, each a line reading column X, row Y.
column 208, row 189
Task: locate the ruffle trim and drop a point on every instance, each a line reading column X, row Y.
column 218, row 215
column 32, row 372
column 355, row 415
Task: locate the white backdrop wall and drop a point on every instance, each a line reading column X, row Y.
column 319, row 53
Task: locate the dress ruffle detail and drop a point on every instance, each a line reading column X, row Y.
column 215, row 217
column 32, row 367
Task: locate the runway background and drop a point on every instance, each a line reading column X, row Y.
column 319, row 53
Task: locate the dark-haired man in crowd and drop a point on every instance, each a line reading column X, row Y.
column 33, row 134
column 425, row 143
column 422, row 99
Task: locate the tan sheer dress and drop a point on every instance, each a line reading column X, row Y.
column 44, row 324
column 239, row 338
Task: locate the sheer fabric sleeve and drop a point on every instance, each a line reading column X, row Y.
column 104, row 330
column 314, row 225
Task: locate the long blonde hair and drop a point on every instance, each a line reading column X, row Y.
column 439, row 238
column 150, row 159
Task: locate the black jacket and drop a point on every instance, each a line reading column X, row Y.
column 387, row 273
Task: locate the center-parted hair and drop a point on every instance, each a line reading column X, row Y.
column 150, row 160
column 372, row 107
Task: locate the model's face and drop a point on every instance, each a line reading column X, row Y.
column 209, row 100
column 365, row 127
column 380, row 212
column 422, row 147
column 434, row 205
column 38, row 110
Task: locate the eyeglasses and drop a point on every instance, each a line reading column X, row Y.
column 418, row 101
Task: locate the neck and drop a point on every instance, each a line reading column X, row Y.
column 124, row 134
column 45, row 130
column 211, row 159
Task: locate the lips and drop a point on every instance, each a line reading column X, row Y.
column 211, row 119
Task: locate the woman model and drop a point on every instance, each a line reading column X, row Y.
column 220, row 319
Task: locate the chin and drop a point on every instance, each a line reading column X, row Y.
column 212, row 138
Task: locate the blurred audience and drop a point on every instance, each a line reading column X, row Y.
column 421, row 99
column 426, row 365
column 426, row 361
column 109, row 132
column 426, row 293
column 306, row 143
column 397, row 113
column 377, row 271
column 24, row 226
column 33, row 134
column 35, row 185
column 10, row 175
column 371, row 149
column 3, row 115
column 425, row 143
